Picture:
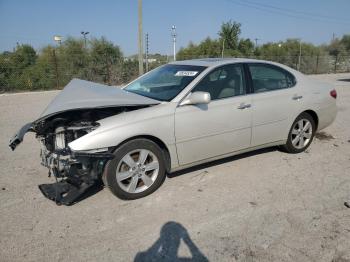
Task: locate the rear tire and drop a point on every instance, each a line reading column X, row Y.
column 301, row 134
column 137, row 170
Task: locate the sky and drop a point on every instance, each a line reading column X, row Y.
column 35, row 22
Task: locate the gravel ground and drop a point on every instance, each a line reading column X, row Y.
column 262, row 206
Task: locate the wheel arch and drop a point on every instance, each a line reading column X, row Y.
column 156, row 140
column 314, row 116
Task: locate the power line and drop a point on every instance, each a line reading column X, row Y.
column 296, row 11
column 265, row 9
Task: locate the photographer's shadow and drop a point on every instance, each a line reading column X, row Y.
column 167, row 246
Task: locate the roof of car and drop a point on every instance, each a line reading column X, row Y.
column 213, row 62
column 216, row 61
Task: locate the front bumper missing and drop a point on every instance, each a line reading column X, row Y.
column 67, row 192
column 75, row 183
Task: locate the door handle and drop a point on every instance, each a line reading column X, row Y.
column 296, row 97
column 244, row 106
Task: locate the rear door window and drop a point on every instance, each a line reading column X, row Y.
column 269, row 77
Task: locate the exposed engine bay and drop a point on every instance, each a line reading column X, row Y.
column 73, row 113
column 74, row 172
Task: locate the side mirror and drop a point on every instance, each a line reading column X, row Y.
column 197, row 98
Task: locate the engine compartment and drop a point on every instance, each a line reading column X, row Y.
column 71, row 114
column 74, row 172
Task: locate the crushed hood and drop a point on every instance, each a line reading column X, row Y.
column 81, row 94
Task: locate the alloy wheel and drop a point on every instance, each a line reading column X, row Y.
column 137, row 171
column 301, row 133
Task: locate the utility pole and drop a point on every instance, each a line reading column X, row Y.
column 140, row 37
column 223, row 48
column 336, row 62
column 256, row 42
column 146, row 52
column 84, row 35
column 173, row 34
column 56, row 68
column 299, row 58
column 317, row 61
column 58, row 39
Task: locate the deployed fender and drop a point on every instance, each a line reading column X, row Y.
column 18, row 137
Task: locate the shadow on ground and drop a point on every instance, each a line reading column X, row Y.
column 167, row 246
column 344, row 79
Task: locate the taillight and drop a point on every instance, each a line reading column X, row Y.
column 333, row 93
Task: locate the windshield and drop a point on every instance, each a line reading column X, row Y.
column 165, row 82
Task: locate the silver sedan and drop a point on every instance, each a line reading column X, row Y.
column 176, row 116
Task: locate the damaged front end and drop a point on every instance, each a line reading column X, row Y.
column 68, row 118
column 74, row 172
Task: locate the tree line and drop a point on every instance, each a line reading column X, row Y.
column 334, row 57
column 97, row 60
column 100, row 60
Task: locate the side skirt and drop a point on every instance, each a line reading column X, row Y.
column 277, row 143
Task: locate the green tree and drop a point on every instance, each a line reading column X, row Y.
column 189, row 52
column 207, row 48
column 43, row 73
column 128, row 71
column 337, row 49
column 106, row 59
column 229, row 33
column 7, row 67
column 24, row 56
column 345, row 41
column 14, row 67
column 72, row 59
column 287, row 52
column 246, row 47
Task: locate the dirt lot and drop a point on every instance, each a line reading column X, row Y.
column 261, row 206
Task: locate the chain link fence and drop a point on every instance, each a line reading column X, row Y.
column 54, row 72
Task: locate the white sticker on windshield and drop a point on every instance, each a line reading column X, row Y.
column 186, row 73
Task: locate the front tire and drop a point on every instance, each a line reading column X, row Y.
column 301, row 134
column 137, row 170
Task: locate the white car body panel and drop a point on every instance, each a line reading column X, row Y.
column 197, row 134
column 156, row 121
column 273, row 114
column 205, row 131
